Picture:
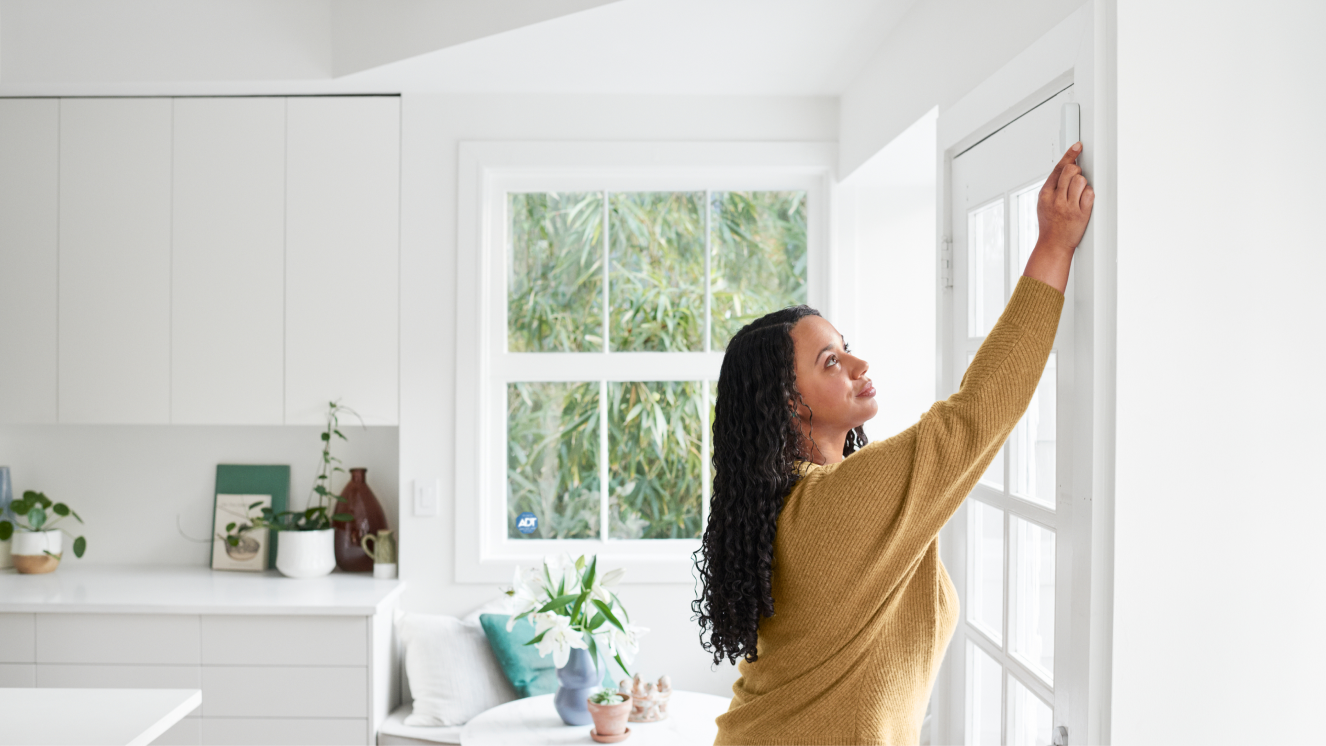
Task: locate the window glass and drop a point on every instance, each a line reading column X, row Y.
column 552, row 459
column 654, row 447
column 1026, row 229
column 1031, row 596
column 1032, row 474
column 985, row 268
column 1029, row 719
column 656, row 277
column 759, row 258
column 983, row 697
column 555, row 272
column 985, row 562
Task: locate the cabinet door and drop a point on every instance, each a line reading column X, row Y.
column 29, row 170
column 227, row 328
column 114, row 267
column 342, row 257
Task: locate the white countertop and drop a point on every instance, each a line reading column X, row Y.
column 144, row 589
column 124, row 717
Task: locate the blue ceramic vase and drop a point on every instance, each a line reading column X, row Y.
column 576, row 681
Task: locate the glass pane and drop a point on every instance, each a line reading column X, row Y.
column 1029, row 719
column 654, row 459
column 555, row 272
column 1033, row 442
column 983, row 697
column 985, row 568
column 552, row 460
column 759, row 258
column 985, row 268
column 656, row 280
column 1031, row 597
column 1025, row 228
column 994, row 473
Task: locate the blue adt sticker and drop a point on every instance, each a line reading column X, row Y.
column 527, row 522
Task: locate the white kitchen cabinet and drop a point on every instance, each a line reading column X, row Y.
column 279, row 661
column 29, row 201
column 114, row 265
column 228, row 256
column 342, row 257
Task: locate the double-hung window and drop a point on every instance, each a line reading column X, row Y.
column 605, row 281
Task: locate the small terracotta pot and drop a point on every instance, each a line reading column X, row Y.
column 610, row 720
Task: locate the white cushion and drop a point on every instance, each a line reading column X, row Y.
column 394, row 731
column 453, row 673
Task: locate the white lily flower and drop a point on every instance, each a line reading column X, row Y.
column 528, row 586
column 559, row 638
column 562, row 568
column 602, row 583
column 626, row 644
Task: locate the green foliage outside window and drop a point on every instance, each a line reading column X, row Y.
column 656, row 287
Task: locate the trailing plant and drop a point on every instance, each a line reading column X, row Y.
column 235, row 530
column 30, row 514
column 571, row 605
column 316, row 517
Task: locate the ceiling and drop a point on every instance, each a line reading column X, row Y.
column 737, row 47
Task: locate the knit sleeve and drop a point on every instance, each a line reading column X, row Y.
column 908, row 486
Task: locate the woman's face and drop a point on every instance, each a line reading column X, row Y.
column 831, row 380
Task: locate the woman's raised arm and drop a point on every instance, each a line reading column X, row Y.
column 1062, row 211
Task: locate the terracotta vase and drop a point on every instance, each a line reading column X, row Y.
column 368, row 520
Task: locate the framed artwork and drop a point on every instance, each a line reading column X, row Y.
column 236, row 545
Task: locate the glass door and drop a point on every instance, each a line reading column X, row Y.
column 1009, row 548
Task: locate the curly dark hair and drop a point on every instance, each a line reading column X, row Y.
column 757, row 442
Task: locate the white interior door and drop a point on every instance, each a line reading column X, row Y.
column 1009, row 549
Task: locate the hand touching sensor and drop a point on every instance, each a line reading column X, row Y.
column 1062, row 211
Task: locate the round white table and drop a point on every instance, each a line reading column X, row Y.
column 534, row 720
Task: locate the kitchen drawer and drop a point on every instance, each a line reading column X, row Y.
column 285, row 691
column 141, row 639
column 18, row 675
column 285, row 640
column 73, row 676
column 284, row 731
column 17, row 641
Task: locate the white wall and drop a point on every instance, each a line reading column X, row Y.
column 1219, row 600
column 887, row 244
column 138, row 486
column 938, row 52
column 433, row 127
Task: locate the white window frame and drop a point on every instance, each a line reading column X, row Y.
column 488, row 172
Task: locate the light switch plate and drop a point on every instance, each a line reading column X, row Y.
column 425, row 497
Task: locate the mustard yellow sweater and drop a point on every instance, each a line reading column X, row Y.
column 863, row 608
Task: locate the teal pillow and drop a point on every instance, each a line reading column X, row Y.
column 530, row 673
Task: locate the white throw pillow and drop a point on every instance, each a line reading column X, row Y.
column 453, row 673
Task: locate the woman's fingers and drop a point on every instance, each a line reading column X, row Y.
column 1075, row 189
column 1070, row 156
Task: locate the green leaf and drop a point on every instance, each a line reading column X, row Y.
column 588, row 582
column 75, row 515
column 559, row 602
column 80, row 546
column 538, row 637
column 254, row 505
column 6, row 530
column 580, row 600
column 60, row 509
column 598, row 622
column 594, row 653
column 326, row 436
column 230, row 526
column 36, row 518
column 618, row 656
column 343, row 517
column 232, row 541
column 608, row 613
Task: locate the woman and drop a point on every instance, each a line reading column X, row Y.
column 820, row 560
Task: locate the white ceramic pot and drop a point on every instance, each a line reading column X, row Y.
column 30, row 549
column 305, row 554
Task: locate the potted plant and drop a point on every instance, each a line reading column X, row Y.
column 240, row 546
column 304, row 538
column 38, row 542
column 572, row 605
column 610, row 710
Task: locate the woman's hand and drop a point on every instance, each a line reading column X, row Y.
column 1062, row 211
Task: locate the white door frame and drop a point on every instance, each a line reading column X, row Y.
column 1080, row 50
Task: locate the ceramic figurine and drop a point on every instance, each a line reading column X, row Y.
column 649, row 702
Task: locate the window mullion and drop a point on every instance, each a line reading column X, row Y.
column 603, row 387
